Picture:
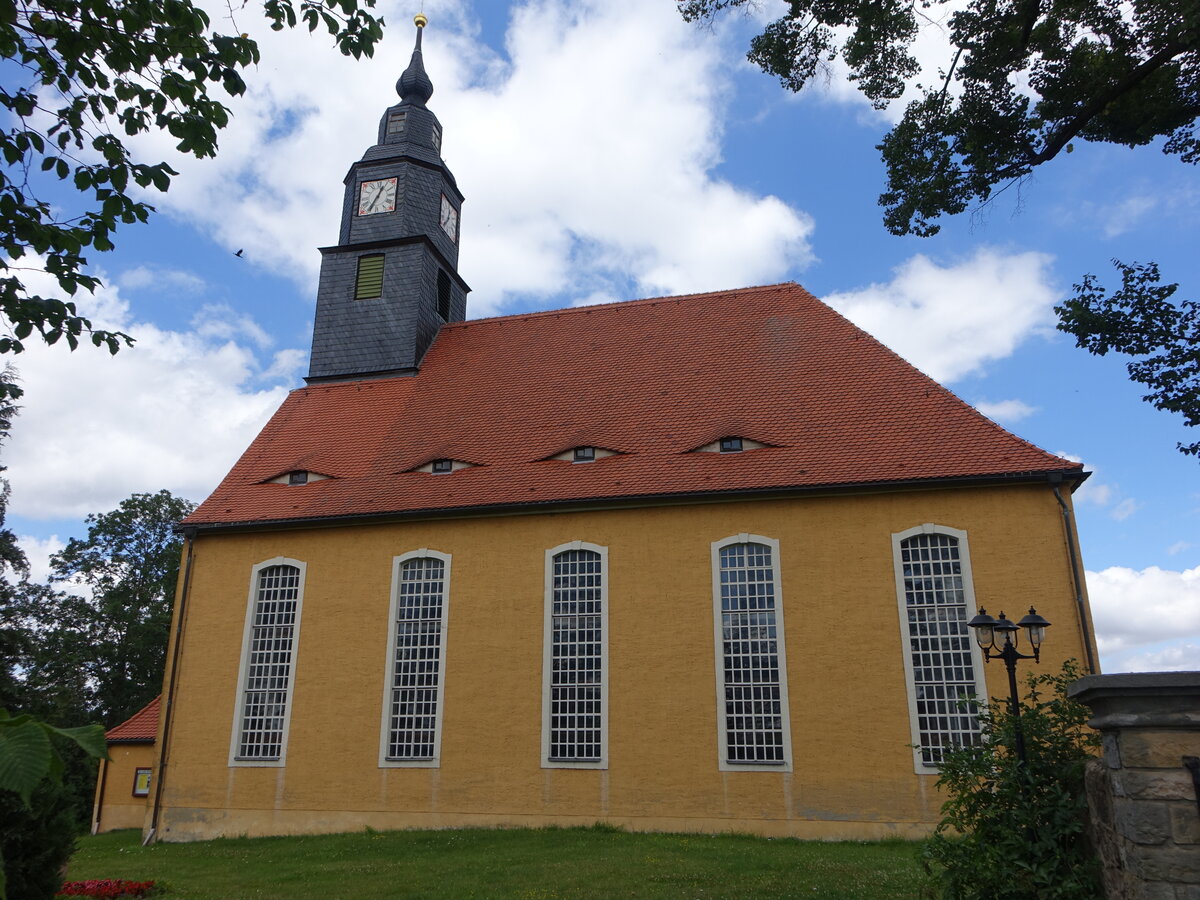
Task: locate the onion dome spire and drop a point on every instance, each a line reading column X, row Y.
column 414, row 85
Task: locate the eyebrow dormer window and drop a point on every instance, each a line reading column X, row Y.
column 731, row 445
column 296, row 476
column 584, row 453
column 444, row 466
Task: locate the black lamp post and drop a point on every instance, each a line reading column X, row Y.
column 989, row 632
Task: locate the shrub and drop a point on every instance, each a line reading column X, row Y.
column 1012, row 831
column 37, row 840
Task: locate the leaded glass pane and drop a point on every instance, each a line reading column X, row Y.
column 576, row 650
column 750, row 655
column 269, row 666
column 416, row 659
column 942, row 670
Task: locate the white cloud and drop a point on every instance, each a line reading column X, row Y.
column 162, row 279
column 174, row 411
column 219, row 321
column 932, row 49
column 950, row 321
column 1178, row 547
column 1097, row 494
column 1103, row 495
column 38, row 551
column 1125, row 509
column 1146, row 618
column 1128, row 214
column 1175, row 658
column 1173, row 201
column 599, row 164
column 1006, row 410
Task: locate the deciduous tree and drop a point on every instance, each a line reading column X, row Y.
column 1022, row 82
column 105, row 634
column 1142, row 320
column 81, row 77
column 1024, row 79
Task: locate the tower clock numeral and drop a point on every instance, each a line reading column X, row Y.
column 377, row 197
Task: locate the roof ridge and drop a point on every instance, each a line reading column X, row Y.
column 640, row 301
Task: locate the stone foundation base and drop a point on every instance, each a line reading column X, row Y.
column 195, row 824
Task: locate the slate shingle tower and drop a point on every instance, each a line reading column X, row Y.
column 392, row 280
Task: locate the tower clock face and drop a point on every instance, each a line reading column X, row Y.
column 449, row 219
column 377, row 197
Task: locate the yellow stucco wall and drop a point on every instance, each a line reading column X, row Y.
column 115, row 805
column 850, row 728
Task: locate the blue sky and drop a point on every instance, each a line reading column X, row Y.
column 609, row 151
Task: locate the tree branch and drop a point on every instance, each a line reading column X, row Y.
column 1063, row 135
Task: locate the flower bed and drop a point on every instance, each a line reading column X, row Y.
column 107, row 888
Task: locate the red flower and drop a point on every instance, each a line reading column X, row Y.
column 106, row 887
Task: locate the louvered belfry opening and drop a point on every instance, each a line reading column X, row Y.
column 368, row 283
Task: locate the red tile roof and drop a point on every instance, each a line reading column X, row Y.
column 142, row 726
column 652, row 379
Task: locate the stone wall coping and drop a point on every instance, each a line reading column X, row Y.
column 1141, row 699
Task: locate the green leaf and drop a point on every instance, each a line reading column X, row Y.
column 25, row 756
column 90, row 738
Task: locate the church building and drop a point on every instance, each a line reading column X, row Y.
column 698, row 563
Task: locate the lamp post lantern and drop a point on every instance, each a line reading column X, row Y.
column 989, row 632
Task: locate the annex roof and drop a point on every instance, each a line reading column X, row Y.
column 652, row 380
column 141, row 727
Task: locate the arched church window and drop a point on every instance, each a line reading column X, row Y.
column 575, row 703
column 268, row 659
column 412, row 717
column 942, row 668
column 753, row 721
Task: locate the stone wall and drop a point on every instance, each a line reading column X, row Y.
column 1144, row 798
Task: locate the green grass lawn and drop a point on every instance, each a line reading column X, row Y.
column 542, row 863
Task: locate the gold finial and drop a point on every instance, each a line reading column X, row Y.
column 420, row 20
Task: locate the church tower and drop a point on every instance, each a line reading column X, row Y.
column 392, row 279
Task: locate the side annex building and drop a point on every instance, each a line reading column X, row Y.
column 696, row 563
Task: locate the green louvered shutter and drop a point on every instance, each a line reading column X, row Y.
column 369, row 283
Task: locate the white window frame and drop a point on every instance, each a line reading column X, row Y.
column 964, row 555
column 235, row 738
column 548, row 658
column 723, row 761
column 385, row 728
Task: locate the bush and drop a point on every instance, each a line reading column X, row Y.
column 37, row 840
column 1012, row 831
